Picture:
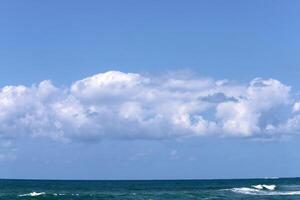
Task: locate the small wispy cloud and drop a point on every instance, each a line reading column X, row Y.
column 131, row 106
column 174, row 155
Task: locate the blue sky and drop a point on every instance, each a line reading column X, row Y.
column 176, row 52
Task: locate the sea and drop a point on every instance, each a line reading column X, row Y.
column 268, row 188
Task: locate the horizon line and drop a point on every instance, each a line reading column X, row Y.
column 183, row 179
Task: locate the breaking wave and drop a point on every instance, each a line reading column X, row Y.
column 32, row 194
column 262, row 189
column 263, row 186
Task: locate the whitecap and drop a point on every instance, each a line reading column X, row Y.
column 259, row 187
column 32, row 194
column 254, row 191
column 245, row 190
column 269, row 187
column 264, row 186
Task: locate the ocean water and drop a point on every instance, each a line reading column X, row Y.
column 166, row 189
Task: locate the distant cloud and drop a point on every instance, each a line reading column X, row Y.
column 296, row 107
column 131, row 106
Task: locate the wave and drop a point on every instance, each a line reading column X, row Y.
column 263, row 186
column 263, row 190
column 32, row 194
column 245, row 190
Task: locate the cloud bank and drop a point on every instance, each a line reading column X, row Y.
column 131, row 106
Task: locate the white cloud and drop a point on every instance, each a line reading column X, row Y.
column 243, row 117
column 131, row 106
column 296, row 107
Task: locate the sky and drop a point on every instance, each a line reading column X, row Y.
column 149, row 89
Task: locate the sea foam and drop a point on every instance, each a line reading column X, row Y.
column 263, row 186
column 263, row 189
column 32, row 194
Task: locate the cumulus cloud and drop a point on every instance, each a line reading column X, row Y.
column 121, row 105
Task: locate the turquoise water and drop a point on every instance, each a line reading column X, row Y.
column 167, row 189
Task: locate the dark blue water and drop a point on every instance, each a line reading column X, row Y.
column 173, row 189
